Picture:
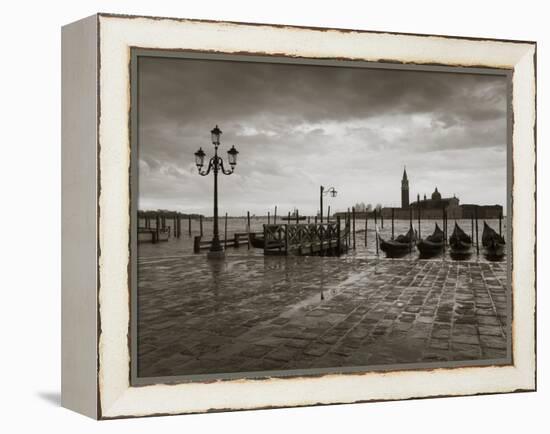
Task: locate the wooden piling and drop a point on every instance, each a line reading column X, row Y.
column 200, row 224
column 392, row 223
column 315, row 219
column 410, row 217
column 248, row 227
column 157, row 227
column 288, row 218
column 376, row 230
column 308, row 219
column 328, row 214
column 297, row 216
column 366, row 226
column 477, row 233
column 353, row 220
column 418, row 216
column 500, row 224
column 350, row 230
column 189, row 225
column 268, row 218
column 275, row 216
column 225, row 233
column 338, row 242
column 472, row 217
column 381, row 219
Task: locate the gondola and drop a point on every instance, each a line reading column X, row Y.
column 460, row 242
column 256, row 241
column 400, row 246
column 432, row 244
column 493, row 243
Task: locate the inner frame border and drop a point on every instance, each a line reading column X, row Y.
column 137, row 52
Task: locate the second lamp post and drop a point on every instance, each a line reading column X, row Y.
column 216, row 165
column 324, row 191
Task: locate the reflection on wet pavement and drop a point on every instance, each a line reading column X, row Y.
column 253, row 313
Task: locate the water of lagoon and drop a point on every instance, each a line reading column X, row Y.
column 184, row 245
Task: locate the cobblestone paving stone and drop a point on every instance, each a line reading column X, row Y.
column 253, row 313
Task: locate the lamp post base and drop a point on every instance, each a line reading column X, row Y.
column 216, row 254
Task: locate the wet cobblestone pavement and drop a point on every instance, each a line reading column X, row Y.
column 254, row 313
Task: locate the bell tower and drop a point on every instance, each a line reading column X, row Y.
column 405, row 189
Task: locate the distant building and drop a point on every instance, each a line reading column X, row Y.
column 433, row 207
column 405, row 190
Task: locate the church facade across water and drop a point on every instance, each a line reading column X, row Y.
column 433, row 207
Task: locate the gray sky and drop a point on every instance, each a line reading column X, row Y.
column 298, row 127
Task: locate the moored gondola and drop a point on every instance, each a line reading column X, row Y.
column 493, row 243
column 400, row 246
column 432, row 244
column 257, row 241
column 460, row 243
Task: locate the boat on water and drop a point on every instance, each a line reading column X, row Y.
column 257, row 241
column 493, row 243
column 399, row 246
column 432, row 244
column 460, row 243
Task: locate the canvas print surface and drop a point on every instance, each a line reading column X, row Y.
column 295, row 219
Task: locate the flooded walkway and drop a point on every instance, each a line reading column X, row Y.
column 253, row 313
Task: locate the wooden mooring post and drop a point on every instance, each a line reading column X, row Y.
column 200, row 224
column 189, row 225
column 248, row 227
column 353, row 220
column 349, row 227
column 157, row 227
column 477, row 233
column 225, row 233
column 472, row 217
column 418, row 216
column 328, row 214
column 392, row 224
column 275, row 216
column 500, row 224
column 381, row 219
column 315, row 219
column 376, row 231
column 268, row 218
column 308, row 219
column 297, row 216
column 338, row 241
column 366, row 226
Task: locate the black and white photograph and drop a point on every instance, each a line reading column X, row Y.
column 295, row 218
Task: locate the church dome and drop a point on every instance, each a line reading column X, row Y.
column 436, row 195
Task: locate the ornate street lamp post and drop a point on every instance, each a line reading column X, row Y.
column 324, row 191
column 216, row 165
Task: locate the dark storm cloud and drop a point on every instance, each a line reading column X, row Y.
column 299, row 126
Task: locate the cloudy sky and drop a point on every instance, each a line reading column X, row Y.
column 298, row 127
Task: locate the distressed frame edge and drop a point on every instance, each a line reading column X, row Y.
column 79, row 142
column 529, row 385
